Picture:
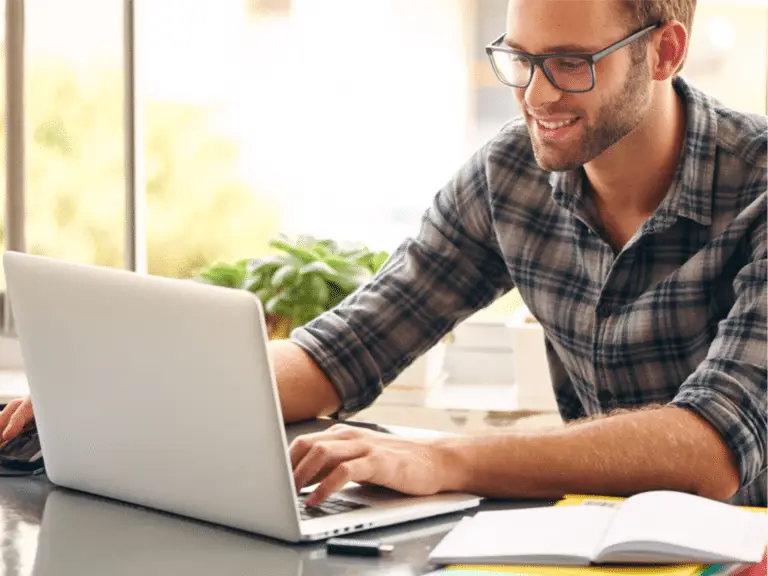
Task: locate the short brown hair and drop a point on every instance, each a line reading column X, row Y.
column 646, row 12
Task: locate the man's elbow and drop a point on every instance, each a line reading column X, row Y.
column 722, row 480
column 722, row 489
column 718, row 475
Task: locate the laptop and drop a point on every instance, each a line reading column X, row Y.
column 160, row 392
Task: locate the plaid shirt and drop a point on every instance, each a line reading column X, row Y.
column 677, row 317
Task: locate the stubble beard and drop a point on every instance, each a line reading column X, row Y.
column 619, row 116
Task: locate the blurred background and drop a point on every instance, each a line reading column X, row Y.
column 334, row 118
column 330, row 117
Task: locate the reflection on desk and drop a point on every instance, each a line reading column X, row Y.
column 87, row 535
column 106, row 537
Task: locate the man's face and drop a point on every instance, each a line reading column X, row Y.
column 598, row 118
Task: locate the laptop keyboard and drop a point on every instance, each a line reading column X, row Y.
column 330, row 507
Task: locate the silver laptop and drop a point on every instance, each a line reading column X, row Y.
column 160, row 392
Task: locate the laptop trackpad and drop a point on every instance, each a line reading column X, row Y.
column 370, row 494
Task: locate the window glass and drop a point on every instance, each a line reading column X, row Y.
column 74, row 126
column 727, row 55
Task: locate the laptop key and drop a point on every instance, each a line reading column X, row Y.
column 328, row 508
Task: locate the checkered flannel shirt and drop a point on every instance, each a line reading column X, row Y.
column 677, row 317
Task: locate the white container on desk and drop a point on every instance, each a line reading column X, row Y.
column 482, row 351
column 534, row 384
column 417, row 382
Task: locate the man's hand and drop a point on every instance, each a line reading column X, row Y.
column 14, row 417
column 344, row 454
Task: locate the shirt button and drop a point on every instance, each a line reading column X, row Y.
column 604, row 310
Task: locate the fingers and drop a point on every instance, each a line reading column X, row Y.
column 14, row 417
column 330, row 457
column 301, row 445
column 5, row 415
column 323, row 457
column 358, row 470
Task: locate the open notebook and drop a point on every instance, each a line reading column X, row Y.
column 650, row 528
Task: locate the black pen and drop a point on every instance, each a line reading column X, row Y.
column 349, row 547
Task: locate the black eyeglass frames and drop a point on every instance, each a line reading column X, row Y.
column 567, row 72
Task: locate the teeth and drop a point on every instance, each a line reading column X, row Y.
column 554, row 125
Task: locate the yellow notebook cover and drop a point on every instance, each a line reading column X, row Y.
column 575, row 500
column 677, row 570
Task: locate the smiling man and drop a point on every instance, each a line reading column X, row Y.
column 629, row 209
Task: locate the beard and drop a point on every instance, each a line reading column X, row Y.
column 618, row 116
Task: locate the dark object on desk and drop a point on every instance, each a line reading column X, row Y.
column 349, row 547
column 296, row 429
column 21, row 456
column 367, row 425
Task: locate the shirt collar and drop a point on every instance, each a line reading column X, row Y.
column 690, row 195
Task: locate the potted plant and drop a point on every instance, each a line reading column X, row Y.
column 303, row 279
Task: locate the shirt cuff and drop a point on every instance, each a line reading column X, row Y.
column 737, row 428
column 344, row 360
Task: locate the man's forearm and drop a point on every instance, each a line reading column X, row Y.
column 305, row 391
column 666, row 448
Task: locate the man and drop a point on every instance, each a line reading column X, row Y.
column 629, row 209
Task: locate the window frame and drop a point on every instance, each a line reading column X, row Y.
column 135, row 254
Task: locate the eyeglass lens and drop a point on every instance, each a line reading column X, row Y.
column 566, row 73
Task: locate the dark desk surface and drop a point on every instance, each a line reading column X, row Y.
column 46, row 530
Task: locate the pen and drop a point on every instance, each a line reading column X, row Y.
column 349, row 547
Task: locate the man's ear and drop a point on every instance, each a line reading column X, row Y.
column 669, row 46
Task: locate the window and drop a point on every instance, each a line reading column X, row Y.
column 75, row 171
column 728, row 53
column 72, row 119
column 354, row 122
column 198, row 82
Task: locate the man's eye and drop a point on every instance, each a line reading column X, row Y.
column 570, row 65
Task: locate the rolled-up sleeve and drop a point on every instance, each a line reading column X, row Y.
column 452, row 268
column 728, row 389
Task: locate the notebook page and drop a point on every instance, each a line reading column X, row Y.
column 538, row 534
column 689, row 522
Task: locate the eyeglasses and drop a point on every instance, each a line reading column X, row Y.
column 566, row 72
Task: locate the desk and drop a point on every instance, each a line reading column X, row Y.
column 46, row 530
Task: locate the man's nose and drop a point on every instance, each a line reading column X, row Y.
column 540, row 91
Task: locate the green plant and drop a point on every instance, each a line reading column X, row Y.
column 303, row 279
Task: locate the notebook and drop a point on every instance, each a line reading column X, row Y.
column 659, row 527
